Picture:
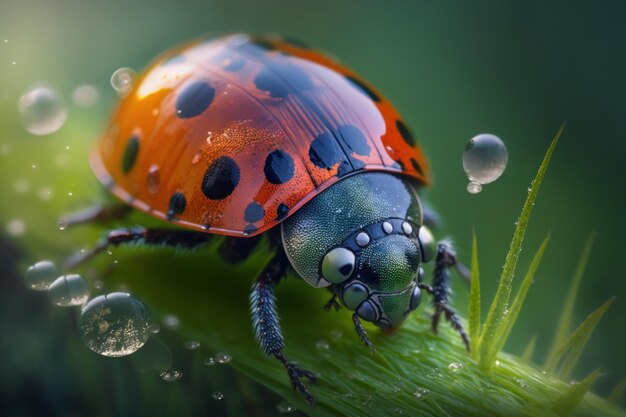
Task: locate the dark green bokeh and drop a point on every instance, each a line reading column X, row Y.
column 517, row 70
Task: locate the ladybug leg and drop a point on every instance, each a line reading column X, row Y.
column 332, row 303
column 152, row 237
column 235, row 249
column 265, row 322
column 95, row 214
column 440, row 291
column 360, row 330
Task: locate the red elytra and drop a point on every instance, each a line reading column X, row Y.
column 233, row 134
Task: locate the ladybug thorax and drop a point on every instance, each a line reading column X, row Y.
column 360, row 236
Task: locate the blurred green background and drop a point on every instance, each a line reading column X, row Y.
column 453, row 69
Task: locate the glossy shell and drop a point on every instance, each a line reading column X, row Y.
column 231, row 135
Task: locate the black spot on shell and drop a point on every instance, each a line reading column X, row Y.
column 405, row 132
column 253, row 213
column 364, row 88
column 282, row 211
column 354, row 139
column 417, row 166
column 130, row 154
column 194, row 99
column 177, row 205
column 221, row 178
column 266, row 80
column 324, row 151
column 401, row 165
column 249, row 229
column 344, row 168
column 235, row 64
column 279, row 167
column 279, row 80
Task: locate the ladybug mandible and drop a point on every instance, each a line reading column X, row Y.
column 240, row 136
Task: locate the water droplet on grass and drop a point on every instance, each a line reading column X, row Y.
column 484, row 160
column 122, row 80
column 192, row 345
column 223, row 358
column 62, row 224
column 455, row 367
column 210, row 361
column 154, row 328
column 69, row 290
column 421, row 393
column 115, row 324
column 42, row 111
column 40, row 275
column 171, row 375
column 286, row 407
column 322, row 345
column 217, row 395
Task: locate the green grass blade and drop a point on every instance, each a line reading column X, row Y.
column 530, row 349
column 565, row 320
column 574, row 346
column 618, row 392
column 513, row 313
column 474, row 302
column 488, row 337
column 567, row 403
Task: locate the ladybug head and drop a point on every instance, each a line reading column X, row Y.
column 376, row 271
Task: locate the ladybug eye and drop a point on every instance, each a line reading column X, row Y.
column 338, row 265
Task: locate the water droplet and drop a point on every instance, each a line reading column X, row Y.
column 154, row 178
column 322, row 345
column 171, row 322
column 521, row 383
column 62, row 224
column 154, row 328
column 192, row 345
column 484, row 159
column 98, row 285
column 217, row 395
column 21, row 186
column 210, row 361
column 474, row 187
column 69, row 290
column 171, row 375
column 42, row 111
column 122, row 80
column 222, row 357
column 85, row 96
column 286, row 407
column 16, row 227
column 40, row 275
column 421, row 393
column 116, row 324
column 455, row 367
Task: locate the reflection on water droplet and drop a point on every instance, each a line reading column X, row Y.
column 210, row 361
column 62, row 224
column 192, row 345
column 154, row 178
column 455, row 367
column 171, row 322
column 42, row 111
column 484, row 159
column 286, row 407
column 40, row 275
column 85, row 96
column 474, row 188
column 171, row 375
column 322, row 345
column 116, row 324
column 69, row 290
column 222, row 357
column 122, row 80
column 16, row 227
column 217, row 395
column 421, row 393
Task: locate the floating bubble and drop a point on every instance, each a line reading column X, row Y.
column 16, row 227
column 171, row 375
column 122, row 80
column 421, row 393
column 484, row 160
column 171, row 322
column 116, row 324
column 40, row 275
column 69, row 290
column 222, row 357
column 192, row 345
column 42, row 111
column 455, row 367
column 286, row 407
column 217, row 395
column 85, row 95
column 210, row 361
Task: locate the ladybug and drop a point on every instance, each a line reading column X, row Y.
column 243, row 136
